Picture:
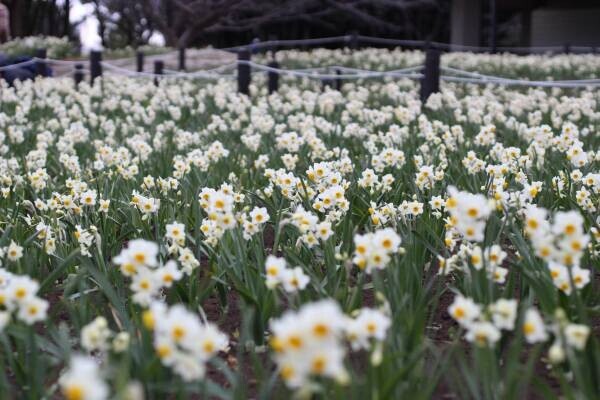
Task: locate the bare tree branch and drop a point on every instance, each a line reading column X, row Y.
column 183, row 22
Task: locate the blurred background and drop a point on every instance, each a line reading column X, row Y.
column 222, row 23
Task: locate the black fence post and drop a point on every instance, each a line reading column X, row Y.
column 567, row 48
column 338, row 81
column 182, row 58
column 273, row 77
column 273, row 47
column 40, row 66
column 139, row 57
column 255, row 47
column 158, row 70
column 78, row 75
column 244, row 71
column 95, row 65
column 430, row 83
column 354, row 40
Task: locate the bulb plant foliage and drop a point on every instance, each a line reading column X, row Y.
column 187, row 241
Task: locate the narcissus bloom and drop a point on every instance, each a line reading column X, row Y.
column 533, row 327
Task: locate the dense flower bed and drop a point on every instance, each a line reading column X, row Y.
column 56, row 47
column 189, row 241
column 532, row 67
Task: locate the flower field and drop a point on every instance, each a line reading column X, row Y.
column 186, row 241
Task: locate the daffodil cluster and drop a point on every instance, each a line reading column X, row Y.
column 561, row 243
column 95, row 337
column 484, row 324
column 468, row 214
column 182, row 341
column 18, row 296
column 375, row 250
column 83, row 380
column 310, row 342
column 219, row 207
column 139, row 261
column 175, row 236
column 292, row 279
column 311, row 230
column 254, row 221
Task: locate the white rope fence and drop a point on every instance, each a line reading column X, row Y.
column 204, row 74
column 18, row 65
column 323, row 73
column 422, row 44
column 358, row 74
column 478, row 78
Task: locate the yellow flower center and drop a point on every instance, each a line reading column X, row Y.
column 568, row 260
column 481, row 338
column 371, row 327
column 148, row 319
column 178, row 333
column 129, row 268
column 533, row 191
column 528, row 328
column 318, row 365
column 272, row 271
column 295, row 341
column 473, row 212
column 73, row 392
column 545, row 251
column 362, row 263
column 163, row 351
column 459, row 312
column 451, row 202
column 287, row 372
column 570, row 229
column 276, row 344
column 321, row 330
column 208, row 346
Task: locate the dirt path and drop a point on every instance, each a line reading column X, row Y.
column 196, row 59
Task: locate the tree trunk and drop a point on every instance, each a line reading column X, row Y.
column 66, row 22
column 17, row 15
